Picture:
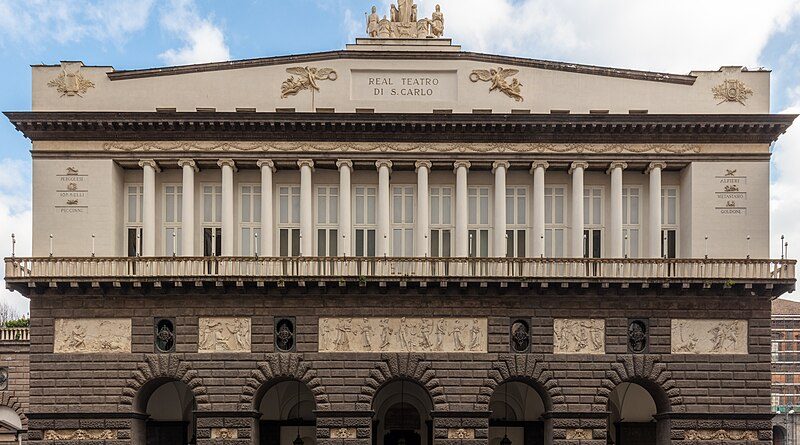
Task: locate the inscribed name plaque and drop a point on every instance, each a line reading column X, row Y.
column 709, row 336
column 404, row 85
column 230, row 334
column 92, row 335
column 404, row 334
column 579, row 336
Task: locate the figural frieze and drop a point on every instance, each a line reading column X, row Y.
column 732, row 90
column 721, row 435
column 696, row 336
column 579, row 336
column 499, row 79
column 80, row 434
column 405, row 334
column 92, row 335
column 305, row 78
column 229, row 334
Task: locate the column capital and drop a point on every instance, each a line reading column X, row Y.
column 539, row 164
column 227, row 163
column 578, row 164
column 422, row 164
column 188, row 163
column 616, row 164
column 149, row 163
column 498, row 164
column 383, row 163
column 656, row 165
column 344, row 163
column 459, row 164
column 305, row 163
column 266, row 163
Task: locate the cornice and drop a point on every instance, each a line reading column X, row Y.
column 402, row 127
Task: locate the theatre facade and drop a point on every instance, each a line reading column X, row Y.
column 399, row 243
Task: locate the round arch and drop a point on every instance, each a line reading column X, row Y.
column 168, row 410
column 517, row 413
column 286, row 410
column 634, row 414
column 779, row 435
column 402, row 412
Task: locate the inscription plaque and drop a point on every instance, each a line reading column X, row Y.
column 394, row 85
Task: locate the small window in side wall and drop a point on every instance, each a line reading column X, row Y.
column 520, row 336
column 285, row 340
column 164, row 330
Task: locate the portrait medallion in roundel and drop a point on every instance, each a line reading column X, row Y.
column 520, row 336
column 165, row 335
column 637, row 336
column 3, row 379
column 284, row 335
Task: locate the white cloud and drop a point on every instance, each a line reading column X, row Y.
column 203, row 40
column 675, row 36
column 66, row 21
column 15, row 217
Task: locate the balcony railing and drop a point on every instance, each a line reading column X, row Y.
column 435, row 269
column 14, row 334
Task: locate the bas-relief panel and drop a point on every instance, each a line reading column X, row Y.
column 91, row 335
column 721, row 435
column 579, row 336
column 404, row 334
column 79, row 435
column 226, row 334
column 709, row 336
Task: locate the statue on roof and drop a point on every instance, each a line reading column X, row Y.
column 404, row 22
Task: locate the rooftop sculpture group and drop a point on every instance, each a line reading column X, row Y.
column 404, row 23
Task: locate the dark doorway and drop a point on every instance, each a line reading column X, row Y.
column 635, row 433
column 287, row 412
column 159, row 433
column 402, row 415
column 516, row 413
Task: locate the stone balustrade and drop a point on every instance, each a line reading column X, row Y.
column 14, row 334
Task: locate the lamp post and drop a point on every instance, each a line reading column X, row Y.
column 13, row 245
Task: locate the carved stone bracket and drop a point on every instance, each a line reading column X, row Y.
column 642, row 369
column 400, row 365
column 528, row 368
column 283, row 366
column 165, row 366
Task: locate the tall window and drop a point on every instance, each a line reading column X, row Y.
column 516, row 221
column 212, row 219
column 403, row 220
column 441, row 221
column 669, row 222
column 250, row 209
column 593, row 222
column 364, row 224
column 327, row 221
column 478, row 221
column 289, row 220
column 133, row 219
column 630, row 221
column 173, row 209
column 554, row 226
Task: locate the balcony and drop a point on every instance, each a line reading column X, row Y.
column 772, row 277
column 14, row 335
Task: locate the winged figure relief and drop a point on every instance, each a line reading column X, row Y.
column 500, row 81
column 305, row 78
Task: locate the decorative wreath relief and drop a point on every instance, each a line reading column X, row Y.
column 732, row 90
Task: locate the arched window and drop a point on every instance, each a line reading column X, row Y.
column 10, row 425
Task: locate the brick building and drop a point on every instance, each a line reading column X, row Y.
column 14, row 383
column 785, row 370
column 400, row 243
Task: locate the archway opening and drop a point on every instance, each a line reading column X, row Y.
column 287, row 414
column 169, row 408
column 10, row 426
column 778, row 435
column 633, row 416
column 402, row 414
column 517, row 415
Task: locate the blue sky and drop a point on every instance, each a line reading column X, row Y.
column 675, row 36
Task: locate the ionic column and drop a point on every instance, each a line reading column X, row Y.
column 576, row 170
column 228, row 220
column 267, row 220
column 615, row 226
column 187, row 215
column 538, row 169
column 384, row 198
column 423, row 248
column 345, row 213
column 306, row 206
column 654, row 206
column 462, row 209
column 499, row 169
column 149, row 169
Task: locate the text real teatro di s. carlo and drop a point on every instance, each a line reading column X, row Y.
column 399, row 243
